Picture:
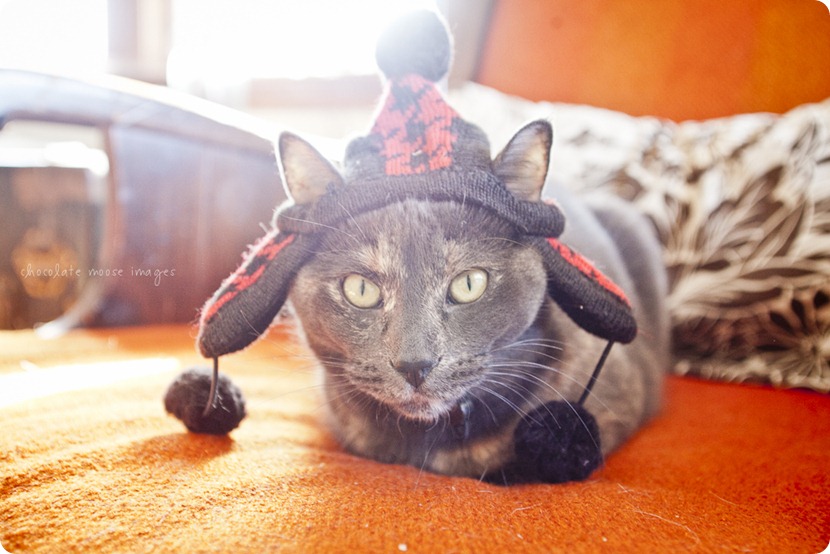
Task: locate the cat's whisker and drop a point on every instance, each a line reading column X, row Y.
column 397, row 423
column 566, row 401
column 574, row 374
column 346, row 394
column 541, row 403
column 493, row 417
column 528, row 391
column 504, row 399
column 530, row 394
column 498, row 239
column 354, row 222
column 515, row 368
column 537, row 347
column 428, row 452
column 330, row 362
column 550, row 357
column 527, row 370
column 535, row 366
column 317, row 223
column 280, row 351
column 539, row 340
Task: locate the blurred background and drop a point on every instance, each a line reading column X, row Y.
column 679, row 59
column 152, row 191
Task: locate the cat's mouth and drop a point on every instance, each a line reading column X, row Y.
column 430, row 410
column 420, row 407
column 455, row 415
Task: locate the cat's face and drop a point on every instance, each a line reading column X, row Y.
column 414, row 304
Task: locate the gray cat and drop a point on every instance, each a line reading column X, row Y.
column 457, row 328
column 421, row 306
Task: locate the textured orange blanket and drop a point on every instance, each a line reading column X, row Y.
column 103, row 469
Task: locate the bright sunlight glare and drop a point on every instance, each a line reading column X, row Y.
column 213, row 40
column 54, row 36
column 235, row 40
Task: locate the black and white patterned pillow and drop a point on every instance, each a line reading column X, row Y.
column 742, row 208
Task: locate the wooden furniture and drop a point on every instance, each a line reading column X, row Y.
column 189, row 186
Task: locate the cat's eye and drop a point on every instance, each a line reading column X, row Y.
column 361, row 292
column 468, row 286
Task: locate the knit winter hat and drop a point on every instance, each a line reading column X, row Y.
column 418, row 147
column 415, row 130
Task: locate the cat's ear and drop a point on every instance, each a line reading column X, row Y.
column 306, row 173
column 523, row 164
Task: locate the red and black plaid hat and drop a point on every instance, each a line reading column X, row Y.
column 418, row 147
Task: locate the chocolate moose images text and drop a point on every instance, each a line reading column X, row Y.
column 34, row 271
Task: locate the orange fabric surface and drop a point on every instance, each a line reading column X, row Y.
column 724, row 468
column 673, row 58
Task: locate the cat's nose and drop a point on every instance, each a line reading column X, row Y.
column 414, row 372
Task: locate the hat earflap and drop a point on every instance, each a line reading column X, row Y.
column 248, row 301
column 590, row 298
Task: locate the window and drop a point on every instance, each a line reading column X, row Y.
column 293, row 39
column 258, row 53
column 54, row 35
column 240, row 52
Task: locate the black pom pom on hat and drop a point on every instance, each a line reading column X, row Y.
column 415, row 132
column 556, row 443
column 418, row 43
column 189, row 393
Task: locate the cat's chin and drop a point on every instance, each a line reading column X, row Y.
column 421, row 409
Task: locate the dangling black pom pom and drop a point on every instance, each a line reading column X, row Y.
column 189, row 393
column 557, row 442
column 416, row 43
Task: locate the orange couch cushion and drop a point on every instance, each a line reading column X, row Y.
column 673, row 58
column 104, row 469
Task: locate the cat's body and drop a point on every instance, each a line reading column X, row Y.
column 455, row 321
column 499, row 357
